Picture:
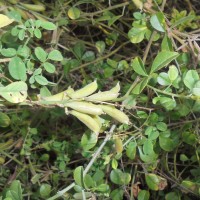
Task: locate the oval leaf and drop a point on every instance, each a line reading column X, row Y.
column 15, row 92
column 40, row 54
column 162, row 59
column 191, row 78
column 120, row 178
column 88, row 141
column 4, row 120
column 41, row 80
column 138, row 66
column 17, row 69
column 55, row 55
column 158, row 21
column 78, row 176
column 48, row 25
column 74, row 13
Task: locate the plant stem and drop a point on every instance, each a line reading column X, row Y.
column 11, row 157
column 169, row 93
column 152, row 36
column 107, row 9
column 107, row 138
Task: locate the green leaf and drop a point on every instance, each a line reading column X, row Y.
column 166, row 144
column 136, row 34
column 79, row 49
column 15, row 191
column 17, row 69
column 172, row 195
column 102, row 188
column 38, row 23
column 15, row 92
column 129, row 102
column 113, row 20
column 49, row 67
column 37, row 33
column 9, row 52
column 138, row 15
column 182, row 20
column 189, row 138
column 48, row 25
column 82, row 195
column 138, row 66
column 191, row 78
column 114, row 163
column 23, row 51
column 158, row 21
column 191, row 186
column 45, row 190
column 140, row 86
column 131, row 150
column 166, row 44
column 173, row 73
column 15, row 15
column 40, row 54
column 163, row 79
column 41, row 80
column 162, row 59
column 166, row 102
column 152, row 181
column 155, row 182
column 100, row 45
column 21, row 34
column 44, row 92
column 74, row 13
column 143, row 195
column 98, row 175
column 55, row 55
column 183, row 158
column 88, row 141
column 148, row 147
column 147, row 158
column 196, row 89
column 37, row 71
column 161, row 126
column 117, row 194
column 4, row 120
column 88, row 56
column 78, row 176
column 120, row 178
column 88, row 181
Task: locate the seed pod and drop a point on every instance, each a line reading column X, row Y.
column 87, row 120
column 60, row 96
column 37, row 2
column 13, row 1
column 102, row 96
column 85, row 107
column 33, row 7
column 118, row 145
column 85, row 91
column 115, row 113
column 105, row 96
column 39, row 17
column 98, row 120
column 116, row 89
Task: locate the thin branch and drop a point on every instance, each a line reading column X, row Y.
column 107, row 138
